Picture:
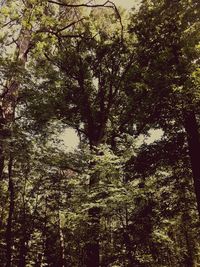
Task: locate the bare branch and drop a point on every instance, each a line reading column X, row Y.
column 8, row 23
column 106, row 4
column 69, row 25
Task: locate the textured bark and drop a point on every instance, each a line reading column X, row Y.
column 191, row 127
column 10, row 94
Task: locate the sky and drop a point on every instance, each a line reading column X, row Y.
column 71, row 139
column 127, row 4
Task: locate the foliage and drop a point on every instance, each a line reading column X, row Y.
column 113, row 77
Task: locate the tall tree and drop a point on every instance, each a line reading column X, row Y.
column 168, row 55
column 89, row 74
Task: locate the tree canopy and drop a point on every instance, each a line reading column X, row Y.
column 121, row 198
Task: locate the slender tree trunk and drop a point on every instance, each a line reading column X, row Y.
column 96, row 133
column 44, row 258
column 62, row 244
column 2, row 124
column 93, row 246
column 191, row 127
column 188, row 259
column 9, row 97
column 7, row 117
column 9, row 234
column 24, row 235
column 23, row 251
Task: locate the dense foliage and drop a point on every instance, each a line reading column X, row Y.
column 122, row 197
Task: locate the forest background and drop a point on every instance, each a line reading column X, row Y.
column 126, row 84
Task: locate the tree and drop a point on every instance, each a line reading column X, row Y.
column 168, row 60
column 88, row 74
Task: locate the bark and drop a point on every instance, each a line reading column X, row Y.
column 10, row 95
column 9, row 234
column 188, row 259
column 62, row 243
column 92, row 247
column 23, row 251
column 7, row 117
column 2, row 125
column 44, row 254
column 24, row 234
column 191, row 127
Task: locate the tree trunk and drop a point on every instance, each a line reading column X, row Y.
column 10, row 94
column 2, row 124
column 192, row 131
column 62, row 243
column 23, row 251
column 188, row 259
column 9, row 237
column 24, row 236
column 7, row 117
column 92, row 247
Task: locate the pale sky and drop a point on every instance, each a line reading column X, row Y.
column 71, row 139
column 128, row 4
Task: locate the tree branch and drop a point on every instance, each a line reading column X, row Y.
column 109, row 4
column 69, row 25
